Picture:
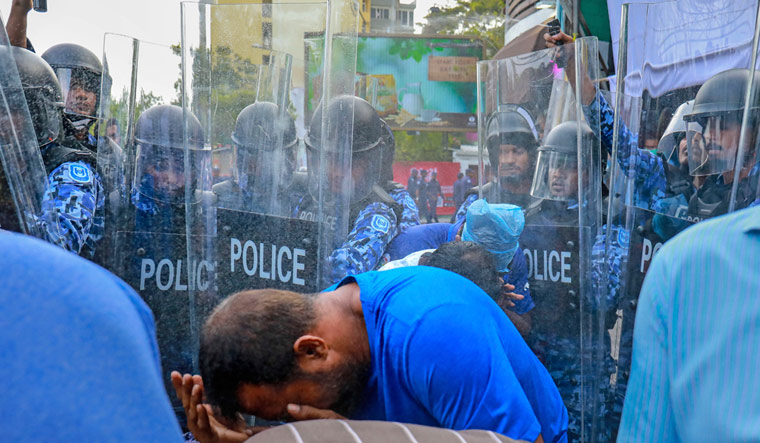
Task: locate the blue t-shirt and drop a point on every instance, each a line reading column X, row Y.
column 444, row 354
column 433, row 235
column 78, row 353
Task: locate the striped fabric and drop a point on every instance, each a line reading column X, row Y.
column 696, row 351
column 355, row 431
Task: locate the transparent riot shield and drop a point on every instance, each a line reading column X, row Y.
column 683, row 87
column 275, row 226
column 159, row 190
column 241, row 94
column 541, row 152
column 23, row 179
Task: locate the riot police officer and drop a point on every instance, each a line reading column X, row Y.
column 512, row 139
column 158, row 193
column 72, row 204
column 79, row 73
column 555, row 182
column 373, row 215
column 149, row 227
column 264, row 161
column 719, row 109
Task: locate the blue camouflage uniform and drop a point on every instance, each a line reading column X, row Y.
column 410, row 216
column 646, row 169
column 462, row 211
column 72, row 208
column 363, row 250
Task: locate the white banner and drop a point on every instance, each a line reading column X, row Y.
column 676, row 44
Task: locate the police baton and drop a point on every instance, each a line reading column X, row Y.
column 40, row 5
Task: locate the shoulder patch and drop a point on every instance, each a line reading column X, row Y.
column 624, row 237
column 380, row 223
column 79, row 173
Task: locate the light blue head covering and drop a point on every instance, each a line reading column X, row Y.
column 497, row 227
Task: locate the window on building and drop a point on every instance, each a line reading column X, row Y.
column 380, row 13
column 266, row 8
column 266, row 34
column 405, row 17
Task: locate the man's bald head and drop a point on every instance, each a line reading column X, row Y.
column 249, row 339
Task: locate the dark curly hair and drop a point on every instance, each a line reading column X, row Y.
column 249, row 339
column 470, row 260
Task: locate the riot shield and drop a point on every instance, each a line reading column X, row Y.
column 273, row 224
column 539, row 151
column 158, row 191
column 683, row 85
column 23, row 179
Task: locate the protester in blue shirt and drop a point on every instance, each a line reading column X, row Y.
column 417, row 345
column 79, row 358
column 694, row 372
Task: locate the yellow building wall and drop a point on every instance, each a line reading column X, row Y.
column 241, row 28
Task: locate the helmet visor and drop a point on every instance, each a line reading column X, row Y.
column 45, row 114
column 81, row 90
column 556, row 176
column 713, row 149
column 335, row 177
column 161, row 173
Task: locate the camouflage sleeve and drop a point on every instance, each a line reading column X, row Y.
column 410, row 215
column 72, row 207
column 645, row 168
column 373, row 230
column 462, row 211
column 607, row 264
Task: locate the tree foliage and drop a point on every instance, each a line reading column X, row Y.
column 481, row 18
column 423, row 146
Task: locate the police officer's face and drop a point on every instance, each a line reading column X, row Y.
column 563, row 182
column 168, row 175
column 81, row 101
column 722, row 138
column 683, row 153
column 514, row 161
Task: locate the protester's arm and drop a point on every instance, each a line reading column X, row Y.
column 648, row 412
column 462, row 379
column 373, row 230
column 16, row 26
column 72, row 206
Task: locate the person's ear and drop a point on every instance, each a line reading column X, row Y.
column 310, row 350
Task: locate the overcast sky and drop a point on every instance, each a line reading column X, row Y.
column 85, row 21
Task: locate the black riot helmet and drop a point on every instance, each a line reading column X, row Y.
column 346, row 115
column 265, row 145
column 718, row 109
column 42, row 93
column 160, row 171
column 79, row 73
column 557, row 174
column 510, row 126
